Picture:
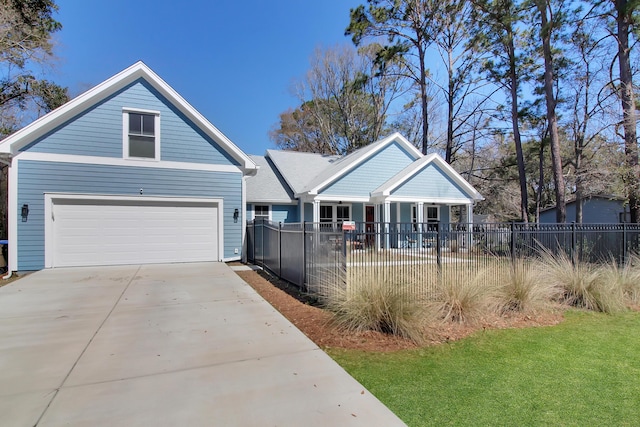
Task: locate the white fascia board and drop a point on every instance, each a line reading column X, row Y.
column 456, row 177
column 116, row 161
column 344, row 199
column 429, row 200
column 381, row 144
column 272, row 202
column 249, row 167
column 385, row 190
column 50, row 121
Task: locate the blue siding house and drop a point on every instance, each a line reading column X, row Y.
column 597, row 209
column 125, row 173
column 389, row 181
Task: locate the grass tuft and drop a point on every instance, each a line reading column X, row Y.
column 376, row 304
column 623, row 280
column 462, row 299
column 524, row 289
column 583, row 285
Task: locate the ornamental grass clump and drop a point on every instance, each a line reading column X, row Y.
column 379, row 304
column 523, row 288
column 462, row 299
column 624, row 280
column 583, row 285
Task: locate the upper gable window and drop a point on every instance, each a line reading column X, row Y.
column 141, row 135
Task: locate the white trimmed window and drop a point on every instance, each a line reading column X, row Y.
column 261, row 212
column 432, row 213
column 141, row 135
column 335, row 213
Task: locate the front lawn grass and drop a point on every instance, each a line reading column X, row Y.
column 583, row 372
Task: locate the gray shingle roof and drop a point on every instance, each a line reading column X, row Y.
column 299, row 169
column 267, row 186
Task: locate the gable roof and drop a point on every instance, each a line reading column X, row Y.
column 347, row 163
column 13, row 143
column 267, row 186
column 299, row 168
column 414, row 168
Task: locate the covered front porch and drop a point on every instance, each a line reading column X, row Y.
column 391, row 224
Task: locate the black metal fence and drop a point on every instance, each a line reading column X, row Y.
column 320, row 257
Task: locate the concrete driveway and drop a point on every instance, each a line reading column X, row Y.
column 164, row 345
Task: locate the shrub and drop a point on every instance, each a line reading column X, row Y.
column 625, row 280
column 379, row 304
column 460, row 298
column 583, row 285
column 523, row 289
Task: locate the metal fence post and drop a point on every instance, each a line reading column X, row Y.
column 280, row 248
column 624, row 243
column 573, row 241
column 513, row 241
column 304, row 257
column 438, row 245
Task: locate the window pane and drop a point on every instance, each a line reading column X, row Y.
column 343, row 213
column 432, row 213
column 326, row 213
column 142, row 146
column 135, row 123
column 262, row 211
column 148, row 124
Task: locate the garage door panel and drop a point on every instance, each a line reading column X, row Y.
column 98, row 232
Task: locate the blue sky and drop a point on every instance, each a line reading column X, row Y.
column 234, row 61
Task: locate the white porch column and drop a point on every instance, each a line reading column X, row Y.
column 386, row 217
column 316, row 211
column 420, row 221
column 470, row 224
column 301, row 210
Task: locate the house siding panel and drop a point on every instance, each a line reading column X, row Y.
column 431, row 182
column 594, row 211
column 98, row 130
column 371, row 174
column 284, row 213
column 35, row 178
column 357, row 212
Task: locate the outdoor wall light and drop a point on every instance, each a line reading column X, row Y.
column 25, row 212
column 236, row 213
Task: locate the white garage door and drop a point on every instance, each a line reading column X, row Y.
column 111, row 232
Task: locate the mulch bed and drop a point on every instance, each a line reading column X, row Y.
column 302, row 310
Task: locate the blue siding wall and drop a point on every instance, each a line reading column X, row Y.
column 431, row 182
column 284, row 213
column 445, row 214
column 370, row 175
column 98, row 131
column 405, row 212
column 36, row 178
column 357, row 212
column 308, row 212
column 594, row 211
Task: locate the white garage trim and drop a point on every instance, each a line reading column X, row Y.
column 58, row 198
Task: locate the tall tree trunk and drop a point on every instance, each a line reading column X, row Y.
column 450, row 95
column 540, row 180
column 579, row 186
column 524, row 199
column 424, row 101
column 552, row 119
column 624, row 22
